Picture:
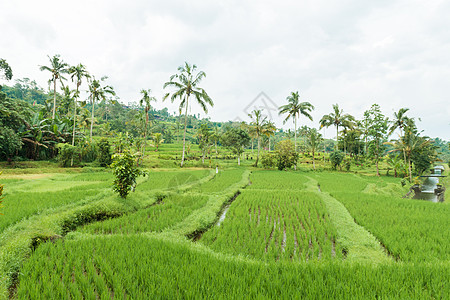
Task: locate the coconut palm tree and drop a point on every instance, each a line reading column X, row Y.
column 269, row 130
column 399, row 121
column 98, row 92
column 337, row 118
column 146, row 99
column 313, row 140
column 77, row 72
column 294, row 109
column 57, row 68
column 186, row 85
column 257, row 128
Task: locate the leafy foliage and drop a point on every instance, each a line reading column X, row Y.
column 66, row 152
column 336, row 158
column 104, row 156
column 125, row 173
column 286, row 155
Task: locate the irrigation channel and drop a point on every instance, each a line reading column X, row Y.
column 430, row 189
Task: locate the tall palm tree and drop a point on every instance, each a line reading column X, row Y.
column 146, row 99
column 337, row 118
column 313, row 140
column 57, row 68
column 77, row 72
column 98, row 92
column 269, row 130
column 294, row 109
column 186, row 84
column 399, row 121
column 257, row 128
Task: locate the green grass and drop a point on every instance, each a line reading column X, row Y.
column 411, row 230
column 156, row 218
column 276, row 226
column 144, row 267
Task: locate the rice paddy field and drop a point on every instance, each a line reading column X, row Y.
column 240, row 233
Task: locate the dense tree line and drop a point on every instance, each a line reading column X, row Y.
column 77, row 107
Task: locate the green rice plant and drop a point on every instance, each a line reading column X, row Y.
column 158, row 217
column 144, row 267
column 221, row 181
column 277, row 180
column 410, row 230
column 275, row 226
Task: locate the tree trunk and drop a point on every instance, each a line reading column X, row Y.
column 257, row 155
column 295, row 134
column 314, row 163
column 185, row 126
column 378, row 151
column 337, row 136
column 409, row 168
column 54, row 98
column 74, row 121
column 239, row 159
column 92, row 118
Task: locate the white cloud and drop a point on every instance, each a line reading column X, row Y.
column 355, row 53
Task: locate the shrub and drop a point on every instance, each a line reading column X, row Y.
column 65, row 154
column 268, row 160
column 104, row 149
column 336, row 159
column 286, row 155
column 125, row 173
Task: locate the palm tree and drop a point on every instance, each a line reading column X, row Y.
column 313, row 140
column 57, row 68
column 257, row 128
column 337, row 118
column 146, row 99
column 269, row 130
column 294, row 109
column 400, row 120
column 97, row 92
column 157, row 140
column 186, row 85
column 77, row 72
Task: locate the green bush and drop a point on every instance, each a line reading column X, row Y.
column 125, row 172
column 286, row 155
column 268, row 160
column 65, row 154
column 104, row 155
column 336, row 159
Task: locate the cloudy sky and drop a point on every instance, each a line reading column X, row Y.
column 395, row 53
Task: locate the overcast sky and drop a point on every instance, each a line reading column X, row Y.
column 351, row 52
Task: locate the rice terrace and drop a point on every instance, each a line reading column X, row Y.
column 263, row 172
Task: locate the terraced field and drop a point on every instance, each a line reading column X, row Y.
column 197, row 234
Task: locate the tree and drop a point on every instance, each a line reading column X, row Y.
column 204, row 139
column 5, row 69
column 57, row 68
column 125, row 173
column 286, row 155
column 104, row 150
column 146, row 99
column 337, row 118
column 269, row 130
column 294, row 109
column 313, row 140
column 336, row 159
column 257, row 128
column 186, row 85
column 378, row 130
column 77, row 72
column 236, row 139
column 98, row 92
column 157, row 140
